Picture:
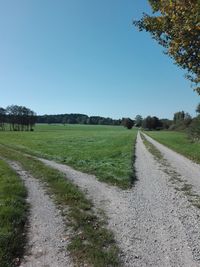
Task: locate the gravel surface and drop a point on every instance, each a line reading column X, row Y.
column 47, row 235
column 154, row 224
column 189, row 170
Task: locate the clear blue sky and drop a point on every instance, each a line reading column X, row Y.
column 75, row 56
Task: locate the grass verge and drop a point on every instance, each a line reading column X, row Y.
column 91, row 242
column 13, row 214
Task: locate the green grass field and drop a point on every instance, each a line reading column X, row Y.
column 179, row 142
column 106, row 151
column 13, row 211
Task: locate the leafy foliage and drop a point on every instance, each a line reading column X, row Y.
column 20, row 118
column 177, row 29
column 194, row 129
column 128, row 123
column 138, row 121
column 151, row 123
column 2, row 118
column 179, row 116
column 198, row 108
column 75, row 118
column 181, row 121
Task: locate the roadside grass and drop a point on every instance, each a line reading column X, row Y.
column 175, row 177
column 91, row 243
column 152, row 149
column 179, row 142
column 105, row 151
column 13, row 215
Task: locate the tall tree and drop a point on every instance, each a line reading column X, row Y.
column 21, row 118
column 2, row 118
column 138, row 121
column 151, row 123
column 187, row 119
column 127, row 123
column 179, row 116
column 175, row 24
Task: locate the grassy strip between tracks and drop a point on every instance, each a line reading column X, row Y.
column 152, row 149
column 13, row 214
column 91, row 243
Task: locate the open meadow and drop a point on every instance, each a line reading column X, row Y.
column 179, row 142
column 92, row 219
column 106, row 151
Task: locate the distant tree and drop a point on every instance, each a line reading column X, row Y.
column 128, row 123
column 181, row 121
column 155, row 123
column 176, row 28
column 64, row 120
column 187, row 119
column 81, row 119
column 20, row 118
column 166, row 123
column 77, row 119
column 179, row 116
column 94, row 120
column 2, row 118
column 12, row 116
column 146, row 123
column 32, row 118
column 151, row 123
column 194, row 129
column 194, row 126
column 138, row 121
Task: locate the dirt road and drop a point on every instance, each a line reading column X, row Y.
column 46, row 229
column 189, row 170
column 154, row 223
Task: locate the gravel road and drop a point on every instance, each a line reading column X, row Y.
column 154, row 224
column 47, row 235
column 189, row 170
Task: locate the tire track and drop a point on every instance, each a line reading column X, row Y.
column 189, row 170
column 46, row 229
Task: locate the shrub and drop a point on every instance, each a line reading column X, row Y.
column 194, row 129
column 128, row 123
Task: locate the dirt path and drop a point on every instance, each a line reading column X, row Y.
column 154, row 224
column 46, row 230
column 189, row 170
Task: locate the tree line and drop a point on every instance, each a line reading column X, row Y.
column 19, row 118
column 182, row 121
column 76, row 118
column 148, row 123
